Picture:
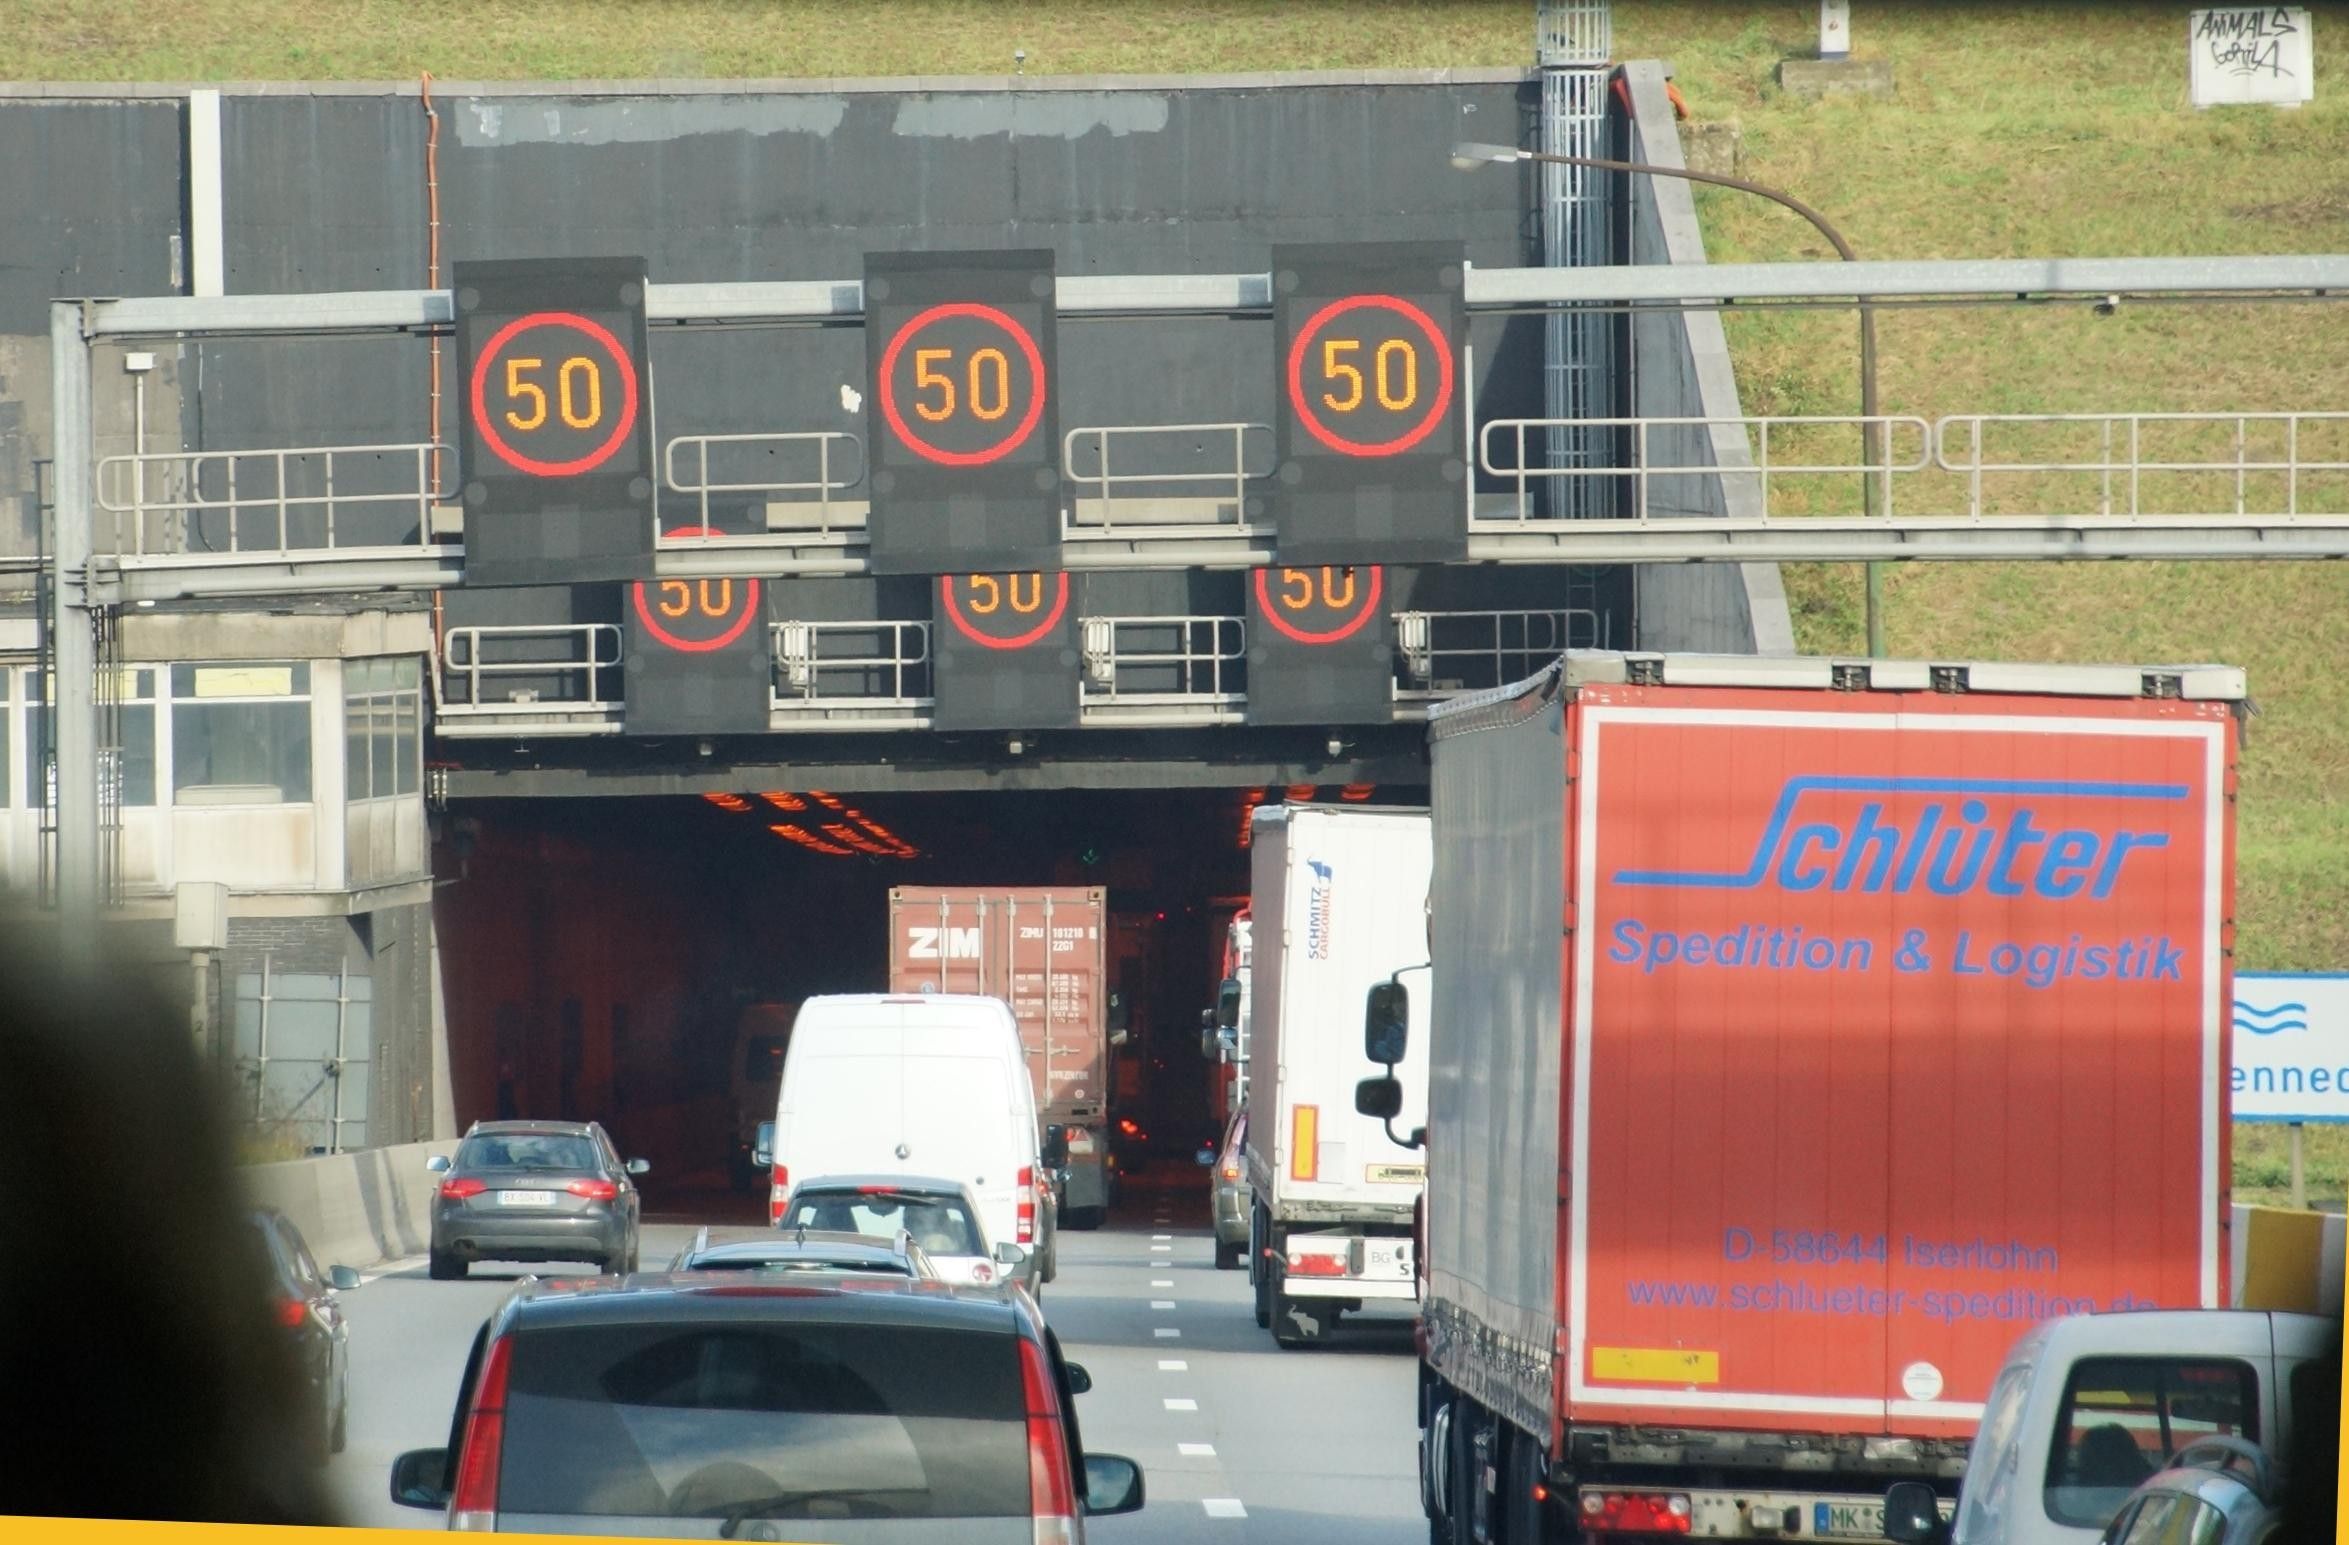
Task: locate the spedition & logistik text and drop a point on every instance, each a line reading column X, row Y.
column 1764, row 947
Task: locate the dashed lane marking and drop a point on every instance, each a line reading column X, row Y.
column 1223, row 1507
column 1162, row 1303
column 1161, row 1236
column 1156, row 1283
column 1196, row 1450
column 1167, row 1333
column 1173, row 1365
column 1178, row 1403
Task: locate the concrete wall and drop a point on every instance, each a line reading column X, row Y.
column 354, row 1209
column 1681, row 369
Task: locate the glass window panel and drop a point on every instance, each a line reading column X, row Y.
column 2122, row 1419
column 355, row 748
column 138, row 754
column 408, row 673
column 305, row 1030
column 240, row 679
column 408, row 739
column 37, row 750
column 379, row 740
column 264, row 746
column 7, row 737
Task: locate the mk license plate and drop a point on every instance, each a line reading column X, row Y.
column 526, row 1198
column 1848, row 1520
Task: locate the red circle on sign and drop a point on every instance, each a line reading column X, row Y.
column 967, row 629
column 487, row 427
column 750, row 606
column 1437, row 344
column 1002, row 447
column 1338, row 634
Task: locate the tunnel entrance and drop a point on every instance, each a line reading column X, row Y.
column 627, row 960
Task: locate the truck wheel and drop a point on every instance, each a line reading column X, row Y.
column 1084, row 1219
column 1227, row 1257
column 1522, row 1470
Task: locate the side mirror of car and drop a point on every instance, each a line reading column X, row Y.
column 639, row 1166
column 1113, row 1484
column 1381, row 1098
column 341, row 1278
column 438, row 1164
column 1227, row 1003
column 1009, row 1254
column 762, row 1147
column 1912, row 1514
column 1386, row 1023
column 1055, row 1152
column 1079, row 1381
column 420, row 1478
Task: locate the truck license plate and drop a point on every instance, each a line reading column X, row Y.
column 526, row 1198
column 1389, row 1260
column 1848, row 1520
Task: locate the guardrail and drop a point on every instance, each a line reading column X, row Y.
column 309, row 484
column 2253, row 452
column 1107, row 500
column 890, row 671
column 1147, row 661
column 1522, row 477
column 587, row 653
column 827, row 518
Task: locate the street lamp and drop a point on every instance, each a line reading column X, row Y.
column 1468, row 157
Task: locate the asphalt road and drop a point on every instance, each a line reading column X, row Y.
column 1239, row 1441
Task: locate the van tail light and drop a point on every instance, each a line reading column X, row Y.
column 474, row 1506
column 291, row 1312
column 458, row 1190
column 778, row 1192
column 1052, row 1494
column 1026, row 1217
column 594, row 1190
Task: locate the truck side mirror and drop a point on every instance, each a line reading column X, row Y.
column 1386, row 1023
column 1379, row 1098
column 1055, row 1154
column 1118, row 1017
column 762, row 1146
column 1912, row 1514
column 1227, row 1003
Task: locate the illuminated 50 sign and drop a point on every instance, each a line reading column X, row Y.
column 1371, row 450
column 698, row 658
column 1320, row 645
column 555, row 421
column 1370, row 375
column 697, row 615
column 1004, row 611
column 1004, row 652
column 965, row 436
column 1323, row 605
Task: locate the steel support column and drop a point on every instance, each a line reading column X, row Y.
column 72, row 694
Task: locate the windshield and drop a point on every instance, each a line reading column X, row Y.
column 778, row 1420
column 941, row 1225
column 527, row 1150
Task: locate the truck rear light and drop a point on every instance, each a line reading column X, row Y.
column 458, row 1190
column 474, row 1505
column 1026, row 1217
column 1317, row 1260
column 594, row 1190
column 778, row 1192
column 1052, row 1493
column 1636, row 1512
column 1304, row 1142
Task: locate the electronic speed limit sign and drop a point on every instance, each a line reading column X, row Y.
column 1372, row 459
column 554, row 420
column 1004, row 652
column 699, row 654
column 1321, row 645
column 963, row 425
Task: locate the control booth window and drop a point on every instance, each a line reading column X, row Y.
column 7, row 734
column 2123, row 1417
column 383, row 722
column 240, row 734
column 126, row 739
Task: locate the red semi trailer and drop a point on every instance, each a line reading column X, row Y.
column 1804, row 1032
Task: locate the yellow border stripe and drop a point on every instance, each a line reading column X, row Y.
column 1304, row 1142
column 1655, row 1365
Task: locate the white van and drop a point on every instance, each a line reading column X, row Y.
column 934, row 1084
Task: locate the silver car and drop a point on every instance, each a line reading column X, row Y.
column 941, row 1215
column 1229, row 1194
column 535, row 1191
column 805, row 1250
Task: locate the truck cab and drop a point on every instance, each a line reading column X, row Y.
column 2087, row 1407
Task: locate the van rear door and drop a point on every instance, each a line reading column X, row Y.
column 841, row 1113
column 960, row 1123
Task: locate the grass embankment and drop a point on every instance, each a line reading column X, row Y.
column 2015, row 132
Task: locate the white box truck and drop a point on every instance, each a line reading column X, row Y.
column 1339, row 904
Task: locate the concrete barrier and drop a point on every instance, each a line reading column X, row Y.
column 2288, row 1260
column 354, row 1209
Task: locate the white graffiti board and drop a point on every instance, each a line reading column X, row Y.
column 2291, row 1047
column 2250, row 53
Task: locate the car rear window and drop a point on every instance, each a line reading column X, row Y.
column 941, row 1225
column 523, row 1150
column 2123, row 1417
column 870, row 1265
column 780, row 1420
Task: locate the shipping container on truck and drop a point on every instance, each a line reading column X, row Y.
column 1338, row 904
column 1804, row 1031
column 1044, row 952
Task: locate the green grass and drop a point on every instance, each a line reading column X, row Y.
column 2017, row 131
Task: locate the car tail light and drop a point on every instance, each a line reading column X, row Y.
column 1026, row 1217
column 1231, row 1172
column 594, row 1190
column 778, row 1192
column 1307, row 1261
column 1636, row 1512
column 458, row 1190
column 474, row 1505
column 1052, row 1495
column 291, row 1312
